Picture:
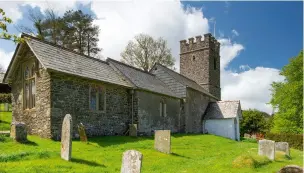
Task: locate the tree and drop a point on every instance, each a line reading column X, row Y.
column 4, row 21
column 254, row 121
column 287, row 97
column 84, row 34
column 144, row 51
column 74, row 30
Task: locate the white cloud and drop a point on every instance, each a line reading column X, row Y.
column 11, row 10
column 5, row 58
column 235, row 33
column 251, row 85
column 123, row 20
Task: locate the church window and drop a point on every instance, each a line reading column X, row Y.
column 162, row 109
column 29, row 86
column 193, row 57
column 214, row 63
column 97, row 98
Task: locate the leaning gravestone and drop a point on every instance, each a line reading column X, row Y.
column 291, row 169
column 131, row 162
column 82, row 133
column 267, row 148
column 18, row 132
column 66, row 137
column 162, row 141
column 133, row 130
column 282, row 146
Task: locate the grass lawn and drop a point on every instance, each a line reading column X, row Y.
column 191, row 153
column 5, row 120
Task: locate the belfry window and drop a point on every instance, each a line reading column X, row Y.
column 214, row 63
column 29, row 86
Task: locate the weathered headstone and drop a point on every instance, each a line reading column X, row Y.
column 82, row 133
column 133, row 130
column 291, row 169
column 162, row 141
column 246, row 135
column 131, row 162
column 66, row 137
column 18, row 132
column 282, row 146
column 267, row 148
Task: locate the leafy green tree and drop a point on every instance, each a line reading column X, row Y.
column 144, row 51
column 287, row 97
column 4, row 21
column 74, row 30
column 254, row 121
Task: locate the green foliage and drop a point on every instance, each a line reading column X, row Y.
column 74, row 30
column 254, row 121
column 287, row 96
column 5, row 98
column 4, row 21
column 144, row 51
column 294, row 140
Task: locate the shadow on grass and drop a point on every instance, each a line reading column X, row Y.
column 106, row 141
column 30, row 143
column 89, row 163
column 178, row 155
column 178, row 135
column 4, row 122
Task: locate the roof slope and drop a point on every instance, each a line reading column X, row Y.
column 142, row 79
column 183, row 80
column 63, row 60
column 223, row 109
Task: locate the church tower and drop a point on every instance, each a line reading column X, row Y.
column 200, row 61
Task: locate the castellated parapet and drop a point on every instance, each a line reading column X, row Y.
column 208, row 42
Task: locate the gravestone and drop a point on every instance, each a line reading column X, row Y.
column 282, row 146
column 82, row 133
column 162, row 141
column 131, row 162
column 18, row 132
column 66, row 137
column 267, row 148
column 291, row 169
column 246, row 135
column 133, row 130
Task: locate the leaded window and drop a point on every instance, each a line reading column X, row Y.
column 97, row 98
column 29, row 84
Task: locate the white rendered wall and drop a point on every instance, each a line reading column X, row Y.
column 223, row 127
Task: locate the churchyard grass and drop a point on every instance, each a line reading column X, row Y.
column 190, row 153
column 5, row 120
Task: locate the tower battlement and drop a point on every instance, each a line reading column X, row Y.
column 208, row 42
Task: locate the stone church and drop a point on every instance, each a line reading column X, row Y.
column 49, row 81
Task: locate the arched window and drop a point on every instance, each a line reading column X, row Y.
column 29, row 97
column 97, row 98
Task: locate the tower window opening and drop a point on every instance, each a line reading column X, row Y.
column 193, row 58
column 214, row 63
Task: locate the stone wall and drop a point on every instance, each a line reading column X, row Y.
column 200, row 61
column 70, row 95
column 37, row 119
column 195, row 106
column 149, row 118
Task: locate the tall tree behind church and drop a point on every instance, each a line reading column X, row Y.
column 144, row 51
column 74, row 30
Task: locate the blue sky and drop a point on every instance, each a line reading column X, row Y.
column 260, row 36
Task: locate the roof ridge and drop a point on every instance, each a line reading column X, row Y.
column 61, row 47
column 135, row 68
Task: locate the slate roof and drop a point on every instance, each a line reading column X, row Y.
column 141, row 79
column 60, row 59
column 184, row 80
column 223, row 109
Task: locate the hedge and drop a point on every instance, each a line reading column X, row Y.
column 5, row 98
column 294, row 140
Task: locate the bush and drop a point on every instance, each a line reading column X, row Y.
column 5, row 98
column 294, row 140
